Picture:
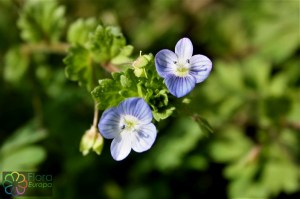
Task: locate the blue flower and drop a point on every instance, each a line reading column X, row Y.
column 181, row 70
column 129, row 125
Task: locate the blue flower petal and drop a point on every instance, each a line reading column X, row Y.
column 109, row 124
column 121, row 146
column 136, row 107
column 143, row 139
column 164, row 62
column 200, row 67
column 180, row 86
column 184, row 49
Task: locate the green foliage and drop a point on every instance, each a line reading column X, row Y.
column 171, row 151
column 42, row 21
column 251, row 98
column 107, row 43
column 80, row 30
column 107, row 94
column 255, row 99
column 130, row 83
column 16, row 65
column 79, row 66
column 19, row 153
column 92, row 47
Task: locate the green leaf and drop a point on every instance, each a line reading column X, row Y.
column 18, row 153
column 107, row 94
column 22, row 137
column 196, row 162
column 280, row 176
column 124, row 56
column 163, row 114
column 179, row 140
column 24, row 159
column 80, row 30
column 79, row 67
column 110, row 92
column 159, row 102
column 16, row 65
column 278, row 85
column 107, row 43
column 257, row 72
column 230, row 76
column 125, row 81
column 277, row 41
column 277, row 107
column 230, row 146
column 42, row 21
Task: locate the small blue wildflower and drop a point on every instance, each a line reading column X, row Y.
column 129, row 125
column 181, row 70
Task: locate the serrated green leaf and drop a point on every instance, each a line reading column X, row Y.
column 107, row 43
column 163, row 114
column 79, row 67
column 107, row 94
column 42, row 21
column 80, row 30
column 110, row 92
column 124, row 56
column 125, row 81
column 116, row 75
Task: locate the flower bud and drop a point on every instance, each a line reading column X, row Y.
column 98, row 144
column 91, row 140
column 140, row 63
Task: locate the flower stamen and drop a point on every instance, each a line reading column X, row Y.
column 182, row 69
column 129, row 123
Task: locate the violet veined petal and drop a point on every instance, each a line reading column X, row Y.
column 165, row 62
column 143, row 111
column 184, row 49
column 200, row 67
column 143, row 139
column 121, row 146
column 109, row 124
column 180, row 86
column 136, row 107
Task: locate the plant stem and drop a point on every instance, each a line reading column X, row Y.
column 60, row 48
column 110, row 67
column 96, row 116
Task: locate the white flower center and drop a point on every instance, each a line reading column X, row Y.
column 182, row 68
column 129, row 123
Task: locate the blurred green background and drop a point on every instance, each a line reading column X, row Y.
column 251, row 99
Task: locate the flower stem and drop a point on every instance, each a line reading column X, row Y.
column 96, row 116
column 60, row 48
